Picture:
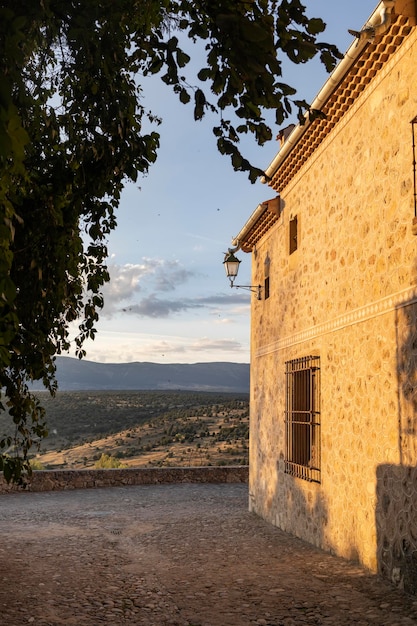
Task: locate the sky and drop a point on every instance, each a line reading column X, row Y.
column 169, row 300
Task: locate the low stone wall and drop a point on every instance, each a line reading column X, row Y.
column 58, row 480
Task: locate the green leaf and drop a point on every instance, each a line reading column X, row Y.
column 204, row 74
column 156, row 65
column 184, row 96
column 253, row 32
column 172, row 44
column 7, row 470
column 182, row 58
column 316, row 26
column 199, row 104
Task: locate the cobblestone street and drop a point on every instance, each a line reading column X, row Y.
column 179, row 555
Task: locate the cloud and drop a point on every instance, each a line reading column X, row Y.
column 124, row 347
column 225, row 300
column 151, row 306
column 169, row 275
column 134, row 289
column 224, row 345
column 126, row 281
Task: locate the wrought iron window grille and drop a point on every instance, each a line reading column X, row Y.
column 302, row 418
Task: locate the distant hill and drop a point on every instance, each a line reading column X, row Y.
column 77, row 375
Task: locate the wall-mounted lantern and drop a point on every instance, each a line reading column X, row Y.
column 231, row 266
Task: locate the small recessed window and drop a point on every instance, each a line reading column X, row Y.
column 293, row 234
column 266, row 287
column 267, row 264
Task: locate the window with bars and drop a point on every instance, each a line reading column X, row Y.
column 302, row 418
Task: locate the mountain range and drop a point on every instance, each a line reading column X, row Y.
column 77, row 375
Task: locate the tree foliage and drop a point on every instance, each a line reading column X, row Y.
column 72, row 133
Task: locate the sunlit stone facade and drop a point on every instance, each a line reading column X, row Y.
column 347, row 294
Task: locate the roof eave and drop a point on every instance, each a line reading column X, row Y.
column 380, row 19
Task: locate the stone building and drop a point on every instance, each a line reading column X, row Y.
column 333, row 449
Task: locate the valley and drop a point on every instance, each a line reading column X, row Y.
column 90, row 429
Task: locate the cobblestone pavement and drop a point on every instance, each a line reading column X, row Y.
column 179, row 555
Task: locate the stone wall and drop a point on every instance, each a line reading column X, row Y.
column 397, row 525
column 55, row 480
column 349, row 295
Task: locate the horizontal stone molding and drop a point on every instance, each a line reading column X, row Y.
column 385, row 305
column 60, row 480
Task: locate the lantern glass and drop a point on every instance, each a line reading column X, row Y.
column 231, row 266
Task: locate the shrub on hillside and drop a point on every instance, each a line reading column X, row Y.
column 36, row 465
column 106, row 461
